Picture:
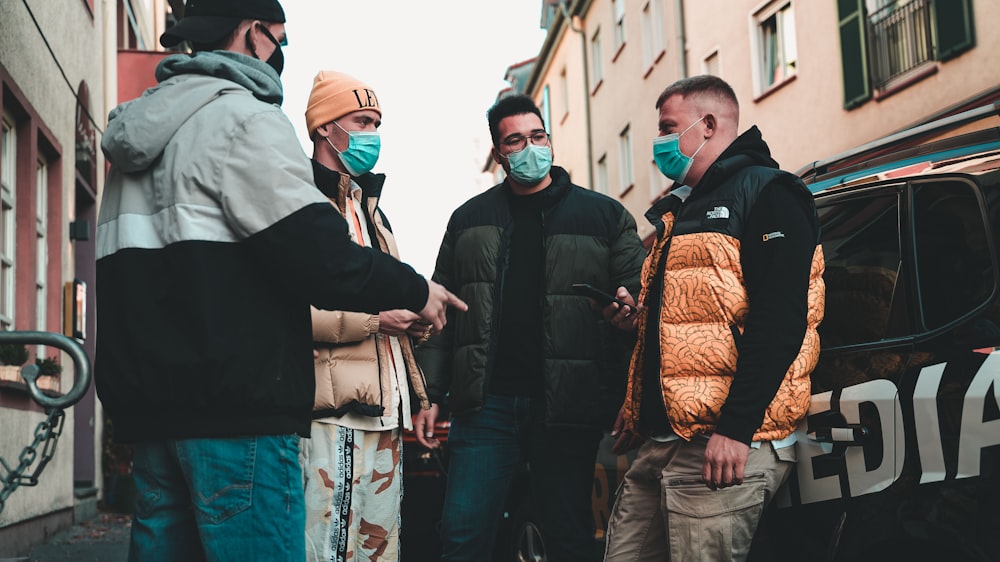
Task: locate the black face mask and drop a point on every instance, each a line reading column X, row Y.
column 277, row 58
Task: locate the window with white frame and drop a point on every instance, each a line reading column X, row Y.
column 652, row 32
column 711, row 64
column 42, row 255
column 8, row 175
column 774, row 45
column 546, row 110
column 602, row 175
column 627, row 174
column 564, row 89
column 618, row 6
column 596, row 69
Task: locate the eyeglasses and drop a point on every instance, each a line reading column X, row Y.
column 517, row 143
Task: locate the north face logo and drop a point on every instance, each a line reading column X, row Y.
column 719, row 212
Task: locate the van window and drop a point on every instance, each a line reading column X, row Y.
column 860, row 237
column 954, row 270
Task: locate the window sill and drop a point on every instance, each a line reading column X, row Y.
column 49, row 387
column 649, row 71
column 593, row 92
column 618, row 52
column 774, row 88
column 625, row 190
column 564, row 118
column 906, row 80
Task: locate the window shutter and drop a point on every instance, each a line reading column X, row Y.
column 955, row 32
column 854, row 52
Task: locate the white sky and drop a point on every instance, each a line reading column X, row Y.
column 436, row 67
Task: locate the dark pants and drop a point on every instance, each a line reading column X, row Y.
column 486, row 451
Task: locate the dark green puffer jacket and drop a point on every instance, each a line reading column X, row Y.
column 588, row 238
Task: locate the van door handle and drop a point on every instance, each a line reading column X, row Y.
column 847, row 434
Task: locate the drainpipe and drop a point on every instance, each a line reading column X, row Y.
column 586, row 92
column 681, row 39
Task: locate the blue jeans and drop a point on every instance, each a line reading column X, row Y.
column 218, row 499
column 486, row 450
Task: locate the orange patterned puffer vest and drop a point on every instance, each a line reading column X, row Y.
column 698, row 329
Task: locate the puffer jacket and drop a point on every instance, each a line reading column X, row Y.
column 212, row 242
column 701, row 266
column 587, row 237
column 352, row 370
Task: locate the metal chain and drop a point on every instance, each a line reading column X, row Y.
column 46, row 436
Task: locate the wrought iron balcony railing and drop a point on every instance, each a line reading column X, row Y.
column 900, row 39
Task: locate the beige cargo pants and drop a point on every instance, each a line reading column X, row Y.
column 664, row 512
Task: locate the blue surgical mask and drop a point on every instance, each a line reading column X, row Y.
column 362, row 151
column 668, row 156
column 530, row 165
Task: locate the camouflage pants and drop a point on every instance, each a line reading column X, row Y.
column 353, row 489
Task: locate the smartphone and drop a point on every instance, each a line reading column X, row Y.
column 602, row 298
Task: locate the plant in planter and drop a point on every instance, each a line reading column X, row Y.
column 49, row 370
column 12, row 356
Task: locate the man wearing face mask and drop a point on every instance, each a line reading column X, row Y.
column 365, row 367
column 212, row 243
column 532, row 373
column 732, row 292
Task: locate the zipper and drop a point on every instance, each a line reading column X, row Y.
column 503, row 256
column 658, row 273
column 381, row 389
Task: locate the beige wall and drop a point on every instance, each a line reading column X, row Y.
column 802, row 119
column 624, row 98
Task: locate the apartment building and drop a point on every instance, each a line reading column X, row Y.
column 58, row 81
column 816, row 76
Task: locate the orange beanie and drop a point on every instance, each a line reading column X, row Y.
column 335, row 94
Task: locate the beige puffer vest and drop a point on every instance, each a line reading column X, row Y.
column 352, row 370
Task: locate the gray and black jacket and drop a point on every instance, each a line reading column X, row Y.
column 212, row 242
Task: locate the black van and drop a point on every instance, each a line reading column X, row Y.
column 899, row 458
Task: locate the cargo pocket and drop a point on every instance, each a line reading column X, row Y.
column 705, row 524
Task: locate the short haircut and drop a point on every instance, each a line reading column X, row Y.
column 219, row 44
column 705, row 84
column 517, row 104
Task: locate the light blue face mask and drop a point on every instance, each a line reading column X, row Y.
column 362, row 151
column 531, row 165
column 668, row 156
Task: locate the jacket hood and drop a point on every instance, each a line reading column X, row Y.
column 749, row 149
column 139, row 130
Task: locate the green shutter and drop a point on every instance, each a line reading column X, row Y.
column 953, row 23
column 854, row 52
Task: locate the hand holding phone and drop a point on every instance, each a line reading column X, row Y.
column 603, row 299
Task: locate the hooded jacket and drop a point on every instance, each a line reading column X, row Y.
column 732, row 293
column 587, row 237
column 212, row 242
column 352, row 370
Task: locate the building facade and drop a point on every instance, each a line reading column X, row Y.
column 817, row 77
column 58, row 81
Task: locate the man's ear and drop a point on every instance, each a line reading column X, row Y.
column 711, row 125
column 323, row 130
column 496, row 156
